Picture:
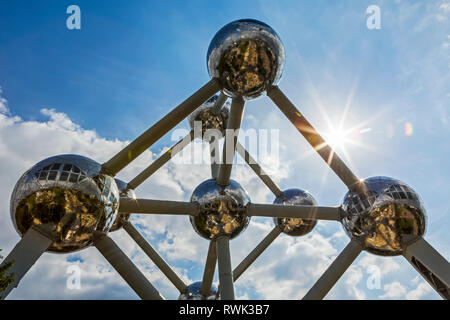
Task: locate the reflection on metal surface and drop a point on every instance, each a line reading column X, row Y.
column 295, row 226
column 67, row 198
column 379, row 220
column 223, row 209
column 193, row 293
column 208, row 119
column 246, row 56
column 121, row 219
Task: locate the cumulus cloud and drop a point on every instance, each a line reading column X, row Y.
column 422, row 291
column 393, row 290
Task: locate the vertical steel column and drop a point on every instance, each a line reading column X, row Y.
column 231, row 136
column 213, row 147
column 225, row 271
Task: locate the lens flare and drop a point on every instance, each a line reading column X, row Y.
column 408, row 129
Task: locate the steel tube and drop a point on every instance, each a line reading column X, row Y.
column 155, row 257
column 210, row 268
column 24, row 255
column 219, row 103
column 162, row 160
column 225, row 272
column 334, row 271
column 125, row 267
column 259, row 171
column 231, row 136
column 433, row 267
column 213, row 147
column 259, row 249
column 159, row 129
column 148, row 206
column 314, row 139
column 293, row 211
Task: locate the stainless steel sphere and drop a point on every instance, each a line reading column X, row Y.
column 381, row 219
column 210, row 119
column 295, row 226
column 121, row 219
column 193, row 293
column 223, row 209
column 246, row 56
column 68, row 198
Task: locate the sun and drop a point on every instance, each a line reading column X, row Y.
column 341, row 139
column 337, row 138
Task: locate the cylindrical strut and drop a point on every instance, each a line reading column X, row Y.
column 127, row 270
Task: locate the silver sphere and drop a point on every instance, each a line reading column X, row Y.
column 68, row 198
column 121, row 219
column 382, row 218
column 193, row 293
column 246, row 56
column 223, row 209
column 208, row 118
column 295, row 226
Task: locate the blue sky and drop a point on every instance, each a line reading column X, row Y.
column 132, row 62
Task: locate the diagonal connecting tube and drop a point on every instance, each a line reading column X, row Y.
column 314, row 139
column 259, row 249
column 430, row 264
column 334, row 271
column 24, row 255
column 231, row 136
column 155, row 257
column 125, row 267
column 162, row 160
column 210, row 268
column 258, row 170
column 159, row 129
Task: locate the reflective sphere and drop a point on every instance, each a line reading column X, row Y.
column 208, row 119
column 389, row 210
column 193, row 293
column 121, row 219
column 246, row 56
column 295, row 226
column 222, row 209
column 68, row 198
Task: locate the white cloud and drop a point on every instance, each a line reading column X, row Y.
column 353, row 277
column 445, row 6
column 419, row 292
column 385, row 265
column 393, row 290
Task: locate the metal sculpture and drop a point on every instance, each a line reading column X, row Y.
column 69, row 202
